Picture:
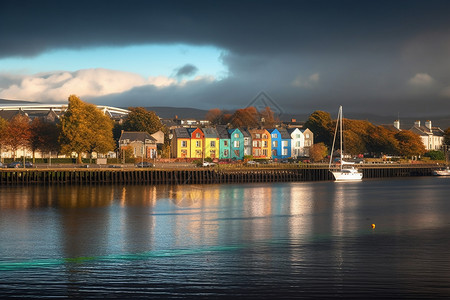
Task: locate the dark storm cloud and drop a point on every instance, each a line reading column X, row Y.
column 186, row 70
column 29, row 27
column 370, row 56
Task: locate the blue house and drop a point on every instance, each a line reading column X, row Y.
column 281, row 143
column 276, row 143
column 286, row 143
column 237, row 143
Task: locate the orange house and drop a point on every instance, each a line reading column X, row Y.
column 261, row 142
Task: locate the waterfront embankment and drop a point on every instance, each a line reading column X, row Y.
column 198, row 175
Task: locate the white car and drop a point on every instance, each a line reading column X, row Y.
column 208, row 164
column 252, row 162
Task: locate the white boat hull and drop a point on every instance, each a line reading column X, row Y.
column 441, row 172
column 345, row 175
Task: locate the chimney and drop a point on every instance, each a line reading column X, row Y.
column 293, row 120
column 397, row 124
column 428, row 124
column 417, row 123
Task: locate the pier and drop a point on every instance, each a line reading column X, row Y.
column 198, row 175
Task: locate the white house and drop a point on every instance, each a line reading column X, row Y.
column 432, row 137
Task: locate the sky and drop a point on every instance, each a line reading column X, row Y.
column 389, row 58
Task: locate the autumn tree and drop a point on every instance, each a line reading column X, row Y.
column 382, row 140
column 84, row 128
column 44, row 136
column 409, row 143
column 320, row 123
column 245, row 117
column 3, row 132
column 269, row 117
column 18, row 133
column 447, row 136
column 318, row 152
column 215, row 116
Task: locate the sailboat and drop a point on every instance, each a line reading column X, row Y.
column 344, row 172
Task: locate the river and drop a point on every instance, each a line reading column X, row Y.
column 370, row 239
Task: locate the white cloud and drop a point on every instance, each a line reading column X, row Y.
column 309, row 82
column 421, row 80
column 57, row 86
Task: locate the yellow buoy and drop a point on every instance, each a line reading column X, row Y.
column 373, row 225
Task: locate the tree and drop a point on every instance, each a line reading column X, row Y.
column 84, row 128
column 382, row 140
column 269, row 117
column 18, row 133
column 319, row 122
column 409, row 143
column 215, row 116
column 140, row 119
column 318, row 152
column 3, row 131
column 246, row 117
column 447, row 136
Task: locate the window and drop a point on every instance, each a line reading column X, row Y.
column 257, row 136
column 225, row 153
column 184, row 144
column 183, row 153
column 197, row 135
column 225, row 143
column 246, row 142
column 264, row 136
column 212, row 153
column 212, row 144
column 285, row 152
column 198, row 144
column 275, row 143
column 297, row 144
column 255, row 143
column 297, row 136
column 236, row 144
column 307, row 135
column 284, row 143
column 236, row 135
column 274, row 135
column 265, row 152
column 265, row 144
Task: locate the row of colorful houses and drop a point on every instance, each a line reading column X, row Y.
column 221, row 142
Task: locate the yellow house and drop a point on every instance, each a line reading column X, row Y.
column 181, row 143
column 197, row 139
column 211, row 142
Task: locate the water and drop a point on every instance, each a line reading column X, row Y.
column 252, row 241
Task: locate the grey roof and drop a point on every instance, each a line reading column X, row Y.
column 133, row 136
column 210, row 132
column 291, row 130
column 284, row 133
column 245, row 132
column 182, row 133
column 222, row 131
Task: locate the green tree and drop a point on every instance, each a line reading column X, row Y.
column 140, row 119
column 409, row 143
column 84, row 128
column 320, row 123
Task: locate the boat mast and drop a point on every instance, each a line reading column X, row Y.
column 340, row 125
column 334, row 138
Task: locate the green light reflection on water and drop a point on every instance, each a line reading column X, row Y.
column 48, row 263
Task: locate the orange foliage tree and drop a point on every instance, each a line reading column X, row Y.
column 18, row 133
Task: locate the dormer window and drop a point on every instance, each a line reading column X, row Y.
column 197, row 135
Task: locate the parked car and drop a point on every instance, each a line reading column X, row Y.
column 208, row 164
column 27, row 164
column 84, row 166
column 252, row 163
column 14, row 164
column 115, row 166
column 144, row 164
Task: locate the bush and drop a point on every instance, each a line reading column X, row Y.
column 435, row 155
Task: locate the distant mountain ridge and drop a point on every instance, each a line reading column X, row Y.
column 194, row 113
